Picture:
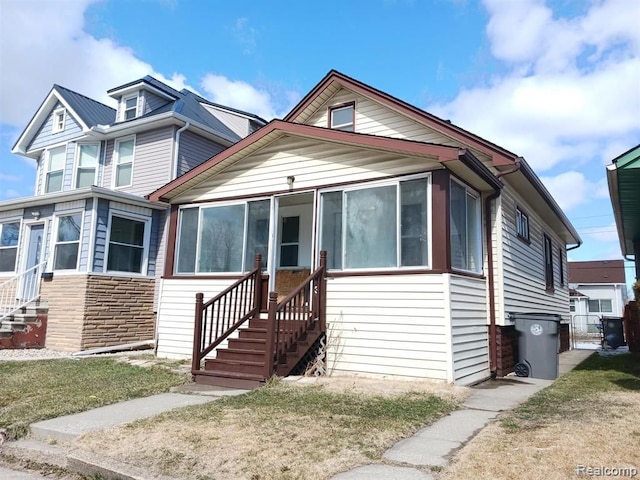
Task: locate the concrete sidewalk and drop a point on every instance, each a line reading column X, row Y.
column 410, row 459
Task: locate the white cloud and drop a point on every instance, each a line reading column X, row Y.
column 246, row 35
column 240, row 95
column 572, row 189
column 571, row 92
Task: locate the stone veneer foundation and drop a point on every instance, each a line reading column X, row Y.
column 92, row 311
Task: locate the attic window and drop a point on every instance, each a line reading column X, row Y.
column 58, row 120
column 130, row 107
column 342, row 117
column 522, row 225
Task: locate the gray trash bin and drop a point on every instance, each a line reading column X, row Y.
column 538, row 345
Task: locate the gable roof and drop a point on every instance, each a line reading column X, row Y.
column 279, row 128
column 335, row 80
column 228, row 109
column 598, row 271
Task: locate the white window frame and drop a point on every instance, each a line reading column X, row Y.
column 55, row 243
column 246, row 265
column 600, row 300
column 77, row 167
column 19, row 221
column 48, row 171
column 374, row 184
column 522, row 225
column 116, row 159
column 59, row 120
column 347, row 127
column 124, row 109
column 145, row 242
column 473, row 193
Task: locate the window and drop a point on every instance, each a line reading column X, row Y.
column 561, row 266
column 572, row 306
column 600, row 306
column 377, row 226
column 9, row 235
column 466, row 240
column 342, row 117
column 124, row 162
column 289, row 241
column 56, row 158
column 129, row 107
column 127, row 245
column 548, row 263
column 522, row 224
column 67, row 243
column 87, row 165
column 59, row 116
column 218, row 239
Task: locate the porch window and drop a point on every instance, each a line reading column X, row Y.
column 55, row 169
column 124, row 162
column 67, row 243
column 548, row 263
column 87, row 165
column 465, row 219
column 376, row 226
column 127, row 245
column 9, row 235
column 223, row 238
column 290, row 241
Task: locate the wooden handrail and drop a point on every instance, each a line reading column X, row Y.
column 223, row 314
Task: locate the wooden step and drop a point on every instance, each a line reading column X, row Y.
column 226, row 379
column 247, row 343
column 259, row 333
column 240, row 354
column 235, row 366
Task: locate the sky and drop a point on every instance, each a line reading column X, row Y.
column 555, row 81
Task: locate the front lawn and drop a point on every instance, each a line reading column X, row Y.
column 37, row 390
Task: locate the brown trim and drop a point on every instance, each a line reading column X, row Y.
column 408, row 271
column 464, row 273
column 330, row 110
column 220, row 276
column 501, row 157
column 440, row 228
column 171, row 242
column 278, row 128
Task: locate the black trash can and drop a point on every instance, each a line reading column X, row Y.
column 612, row 332
column 538, row 344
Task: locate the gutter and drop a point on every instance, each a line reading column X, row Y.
column 177, row 149
column 493, row 344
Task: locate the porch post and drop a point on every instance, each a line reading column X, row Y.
column 322, row 291
column 270, row 347
column 197, row 333
column 257, row 285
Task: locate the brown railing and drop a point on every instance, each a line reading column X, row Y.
column 218, row 318
column 290, row 318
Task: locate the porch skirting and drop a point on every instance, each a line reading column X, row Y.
column 92, row 311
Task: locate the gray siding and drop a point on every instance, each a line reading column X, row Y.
column 46, row 137
column 151, row 163
column 154, row 243
column 194, row 150
column 85, row 241
column 67, row 179
column 152, row 101
column 101, row 235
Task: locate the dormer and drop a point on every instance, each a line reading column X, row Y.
column 137, row 98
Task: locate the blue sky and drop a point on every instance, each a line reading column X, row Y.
column 555, row 81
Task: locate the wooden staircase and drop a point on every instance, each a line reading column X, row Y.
column 264, row 341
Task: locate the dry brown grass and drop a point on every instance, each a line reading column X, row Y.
column 292, row 432
column 590, row 417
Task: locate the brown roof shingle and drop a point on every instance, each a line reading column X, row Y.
column 598, row 271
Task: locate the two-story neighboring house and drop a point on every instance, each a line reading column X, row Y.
column 403, row 240
column 598, row 288
column 88, row 231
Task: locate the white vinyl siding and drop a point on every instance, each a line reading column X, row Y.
column 313, row 164
column 236, row 123
column 469, row 330
column 176, row 313
column 523, row 265
column 394, row 325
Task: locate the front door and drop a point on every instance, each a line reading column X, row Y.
column 292, row 255
column 31, row 280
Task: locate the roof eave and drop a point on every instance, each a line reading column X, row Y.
column 614, row 194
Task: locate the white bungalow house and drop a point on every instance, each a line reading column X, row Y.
column 433, row 238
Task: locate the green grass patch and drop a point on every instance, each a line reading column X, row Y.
column 567, row 396
column 38, row 390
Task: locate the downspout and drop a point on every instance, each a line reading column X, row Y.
column 177, row 149
column 493, row 344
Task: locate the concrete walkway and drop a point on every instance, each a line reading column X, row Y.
column 410, row 459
